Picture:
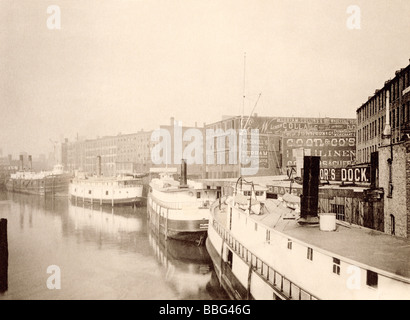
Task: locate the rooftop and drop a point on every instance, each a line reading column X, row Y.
column 370, row 249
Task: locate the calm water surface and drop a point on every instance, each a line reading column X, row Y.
column 102, row 254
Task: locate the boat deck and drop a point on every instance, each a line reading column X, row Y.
column 372, row 249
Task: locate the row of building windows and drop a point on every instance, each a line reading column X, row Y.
column 378, row 101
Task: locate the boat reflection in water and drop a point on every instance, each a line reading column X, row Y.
column 104, row 220
column 188, row 267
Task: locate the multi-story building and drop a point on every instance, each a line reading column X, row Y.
column 284, row 140
column 181, row 142
column 119, row 154
column 371, row 115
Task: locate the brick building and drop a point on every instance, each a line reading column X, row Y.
column 371, row 115
column 119, row 154
column 394, row 179
column 283, row 139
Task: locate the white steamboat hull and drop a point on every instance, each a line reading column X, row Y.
column 104, row 195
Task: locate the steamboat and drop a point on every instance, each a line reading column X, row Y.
column 118, row 190
column 179, row 209
column 41, row 183
column 282, row 249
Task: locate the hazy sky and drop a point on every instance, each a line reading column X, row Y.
column 121, row 66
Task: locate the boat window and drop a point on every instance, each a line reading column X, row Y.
column 372, row 279
column 289, row 244
column 106, row 193
column 310, row 253
column 198, row 195
column 336, row 266
column 230, row 258
column 89, row 191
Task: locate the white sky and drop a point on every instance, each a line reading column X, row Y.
column 121, row 66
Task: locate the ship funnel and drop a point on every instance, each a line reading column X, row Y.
column 30, row 163
column 310, row 196
column 99, row 166
column 21, row 162
column 183, row 178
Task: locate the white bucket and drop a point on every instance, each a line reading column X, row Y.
column 327, row 221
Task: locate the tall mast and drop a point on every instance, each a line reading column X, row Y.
column 243, row 92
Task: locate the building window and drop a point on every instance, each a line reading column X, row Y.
column 289, row 244
column 392, row 225
column 372, row 279
column 336, row 266
column 310, row 253
column 339, row 209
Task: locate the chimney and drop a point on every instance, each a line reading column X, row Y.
column 374, row 165
column 30, row 163
column 309, row 198
column 387, row 128
column 183, row 181
column 98, row 166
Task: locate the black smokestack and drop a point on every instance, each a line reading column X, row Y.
column 374, row 165
column 30, row 162
column 183, row 173
column 309, row 199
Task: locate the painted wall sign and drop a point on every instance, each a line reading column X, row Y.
column 359, row 174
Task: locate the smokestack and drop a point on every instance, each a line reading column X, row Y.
column 310, row 197
column 387, row 129
column 98, row 166
column 30, row 163
column 21, row 162
column 183, row 182
column 374, row 165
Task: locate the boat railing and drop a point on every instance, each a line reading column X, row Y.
column 178, row 205
column 278, row 281
column 106, row 184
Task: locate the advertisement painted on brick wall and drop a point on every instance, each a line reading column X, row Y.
column 335, row 148
column 279, row 125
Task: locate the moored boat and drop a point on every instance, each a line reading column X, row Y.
column 282, row 249
column 42, row 183
column 124, row 189
column 179, row 210
column 120, row 190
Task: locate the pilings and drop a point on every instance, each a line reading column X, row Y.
column 4, row 256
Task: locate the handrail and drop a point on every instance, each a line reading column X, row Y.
column 278, row 281
column 200, row 204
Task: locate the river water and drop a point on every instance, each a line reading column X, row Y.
column 108, row 253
